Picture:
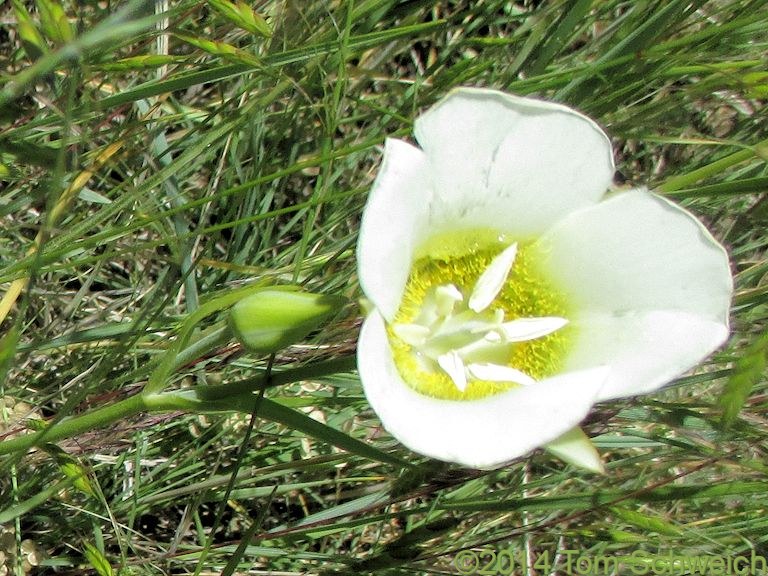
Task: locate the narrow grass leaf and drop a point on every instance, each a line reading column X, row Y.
column 642, row 26
column 730, row 188
column 273, row 410
column 189, row 79
column 747, row 371
column 8, row 345
column 712, row 169
column 88, row 195
column 403, row 550
column 116, row 27
column 644, row 521
column 40, row 498
column 589, row 500
column 559, row 35
column 757, row 84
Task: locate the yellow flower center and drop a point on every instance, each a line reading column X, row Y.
column 477, row 318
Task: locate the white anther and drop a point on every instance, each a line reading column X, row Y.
column 453, row 365
column 523, row 329
column 492, row 279
column 497, row 373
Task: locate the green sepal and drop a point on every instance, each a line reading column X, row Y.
column 271, row 320
column 575, row 447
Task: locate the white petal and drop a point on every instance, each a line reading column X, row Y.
column 645, row 350
column 497, row 373
column 577, row 449
column 481, row 433
column 394, row 223
column 637, row 251
column 523, row 329
column 550, row 166
column 512, row 163
column 651, row 286
column 453, row 365
column 492, row 279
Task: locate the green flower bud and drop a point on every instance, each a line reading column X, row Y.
column 271, row 320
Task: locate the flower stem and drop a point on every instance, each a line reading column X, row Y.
column 198, row 399
column 74, row 425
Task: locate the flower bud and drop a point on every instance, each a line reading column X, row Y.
column 270, row 320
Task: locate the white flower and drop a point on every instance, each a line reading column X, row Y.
column 510, row 293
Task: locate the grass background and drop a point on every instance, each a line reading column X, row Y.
column 155, row 154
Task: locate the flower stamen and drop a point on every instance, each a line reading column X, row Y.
column 522, row 329
column 453, row 365
column 468, row 339
column 496, row 373
column 492, row 279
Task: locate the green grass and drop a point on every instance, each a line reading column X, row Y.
column 140, row 178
